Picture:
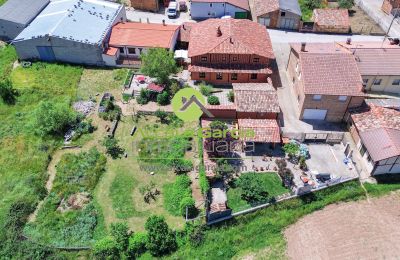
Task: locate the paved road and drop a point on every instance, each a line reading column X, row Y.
column 278, row 36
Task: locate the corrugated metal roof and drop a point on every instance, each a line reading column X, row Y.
column 21, row 11
column 86, row 21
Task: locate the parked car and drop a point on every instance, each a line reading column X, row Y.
column 172, row 10
column 182, row 6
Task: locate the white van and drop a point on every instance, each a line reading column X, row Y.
column 172, row 9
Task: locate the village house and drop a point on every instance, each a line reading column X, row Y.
column 146, row 5
column 391, row 7
column 282, row 14
column 129, row 40
column 376, row 131
column 15, row 15
column 379, row 65
column 326, row 81
column 73, row 31
column 204, row 9
column 226, row 51
column 329, row 20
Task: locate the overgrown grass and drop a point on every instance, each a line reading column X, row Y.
column 271, row 180
column 7, row 58
column 175, row 192
column 121, row 191
column 308, row 12
column 262, row 230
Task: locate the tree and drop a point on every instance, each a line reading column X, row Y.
column 189, row 204
column 213, row 100
column 161, row 239
column 121, row 234
column 144, row 96
column 291, row 149
column 174, row 88
column 313, row 4
column 106, row 248
column 52, row 118
column 163, row 98
column 112, row 147
column 162, row 115
column 346, row 4
column 158, row 63
column 137, row 245
column 254, row 189
column 7, row 93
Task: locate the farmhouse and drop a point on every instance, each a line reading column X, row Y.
column 282, row 14
column 15, row 15
column 74, row 31
column 379, row 65
column 391, row 6
column 204, row 9
column 326, row 81
column 129, row 40
column 331, row 20
column 376, row 131
column 233, row 53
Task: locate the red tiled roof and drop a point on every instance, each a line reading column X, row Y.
column 142, row 35
column 184, row 31
column 230, row 68
column 265, row 130
column 237, row 37
column 330, row 74
column 261, row 7
column 244, row 4
column 330, row 17
column 111, row 51
column 379, row 129
column 156, row 88
column 256, row 97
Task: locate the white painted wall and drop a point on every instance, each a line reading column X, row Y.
column 201, row 11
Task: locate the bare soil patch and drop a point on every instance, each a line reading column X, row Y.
column 361, row 23
column 355, row 230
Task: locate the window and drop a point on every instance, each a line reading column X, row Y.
column 234, row 76
column 283, row 13
column 256, row 60
column 219, row 76
column 132, row 50
column 140, row 50
column 223, row 58
column 377, row 82
column 121, row 49
column 342, row 98
column 362, row 150
column 203, row 58
column 317, row 97
column 365, row 81
column 202, row 75
column 209, row 13
column 264, row 21
column 396, row 82
column 253, row 76
column 210, row 4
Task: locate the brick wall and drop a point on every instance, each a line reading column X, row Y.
column 255, row 115
column 331, row 29
column 148, row 5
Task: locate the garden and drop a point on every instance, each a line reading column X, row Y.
column 308, row 6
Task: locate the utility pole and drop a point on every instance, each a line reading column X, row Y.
column 390, row 26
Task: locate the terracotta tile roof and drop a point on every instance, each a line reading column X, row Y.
column 265, row 130
column 375, row 58
column 379, row 129
column 231, row 68
column 329, row 17
column 244, row 4
column 261, row 7
column 330, row 73
column 142, row 35
column 111, row 51
column 237, row 37
column 184, row 31
column 256, row 97
column 156, row 88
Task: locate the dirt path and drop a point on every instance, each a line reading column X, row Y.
column 355, row 230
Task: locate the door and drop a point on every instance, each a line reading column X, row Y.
column 264, row 21
column 287, row 23
column 240, row 15
column 315, row 114
column 46, row 53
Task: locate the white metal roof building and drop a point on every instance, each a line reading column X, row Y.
column 74, row 31
column 15, row 15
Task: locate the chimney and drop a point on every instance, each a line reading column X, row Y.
column 348, row 41
column 219, row 32
column 231, row 40
column 148, row 20
column 183, row 26
column 303, row 46
column 163, row 22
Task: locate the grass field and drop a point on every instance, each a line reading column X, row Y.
column 275, row 188
column 119, row 190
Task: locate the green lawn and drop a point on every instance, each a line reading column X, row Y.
column 275, row 188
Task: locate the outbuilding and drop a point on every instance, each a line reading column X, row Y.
column 15, row 15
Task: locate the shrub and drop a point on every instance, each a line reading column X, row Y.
column 121, row 234
column 106, row 248
column 17, row 217
column 196, row 235
column 144, row 97
column 188, row 203
column 254, row 189
column 346, row 4
column 291, row 149
column 163, row 98
column 313, row 4
column 213, row 100
column 137, row 245
column 174, row 88
column 302, row 163
column 231, row 96
column 204, row 184
column 161, row 240
column 206, row 90
column 224, row 169
column 126, row 97
column 7, row 93
column 112, row 147
column 162, row 115
column 175, row 192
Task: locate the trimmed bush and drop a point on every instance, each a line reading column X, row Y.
column 144, row 97
column 206, row 90
column 163, row 98
column 213, row 100
column 231, row 96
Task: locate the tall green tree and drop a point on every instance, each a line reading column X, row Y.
column 158, row 63
column 160, row 238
